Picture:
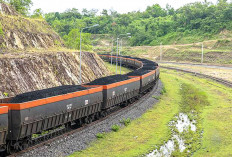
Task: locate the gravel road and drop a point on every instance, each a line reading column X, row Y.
column 81, row 140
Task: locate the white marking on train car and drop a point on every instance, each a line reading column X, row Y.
column 86, row 102
column 113, row 93
column 125, row 89
column 69, row 107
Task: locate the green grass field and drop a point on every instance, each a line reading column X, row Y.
column 212, row 103
column 112, row 69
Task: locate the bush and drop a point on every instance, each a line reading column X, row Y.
column 156, row 97
column 100, row 135
column 163, row 91
column 126, row 122
column 115, row 128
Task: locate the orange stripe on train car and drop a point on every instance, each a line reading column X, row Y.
column 35, row 103
column 146, row 75
column 113, row 85
column 3, row 109
column 149, row 74
column 123, row 58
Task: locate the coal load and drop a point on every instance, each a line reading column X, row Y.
column 106, row 54
column 127, row 57
column 109, row 80
column 139, row 72
column 149, row 67
column 45, row 93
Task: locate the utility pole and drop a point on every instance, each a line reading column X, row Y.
column 112, row 51
column 80, row 48
column 80, row 58
column 120, row 57
column 161, row 51
column 117, row 58
column 118, row 49
column 202, row 53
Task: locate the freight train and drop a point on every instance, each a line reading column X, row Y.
column 36, row 112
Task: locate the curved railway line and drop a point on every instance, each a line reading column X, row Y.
column 124, row 103
column 36, row 118
column 75, row 130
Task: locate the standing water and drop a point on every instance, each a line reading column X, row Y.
column 183, row 123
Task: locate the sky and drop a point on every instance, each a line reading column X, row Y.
column 121, row 6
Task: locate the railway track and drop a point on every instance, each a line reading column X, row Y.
column 70, row 132
column 116, row 111
column 222, row 81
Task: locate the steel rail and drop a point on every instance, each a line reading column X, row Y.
column 66, row 134
column 219, row 80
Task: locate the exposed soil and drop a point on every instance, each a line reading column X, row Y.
column 28, row 72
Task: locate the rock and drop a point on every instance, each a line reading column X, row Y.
column 26, row 72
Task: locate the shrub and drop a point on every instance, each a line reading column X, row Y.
column 6, row 94
column 126, row 122
column 156, row 97
column 100, row 135
column 163, row 90
column 115, row 128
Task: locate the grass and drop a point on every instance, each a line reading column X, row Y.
column 142, row 134
column 212, row 103
column 112, row 69
column 214, row 114
column 25, row 24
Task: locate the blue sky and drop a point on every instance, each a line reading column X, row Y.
column 121, row 6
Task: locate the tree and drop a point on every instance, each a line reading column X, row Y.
column 72, row 40
column 38, row 13
column 22, row 6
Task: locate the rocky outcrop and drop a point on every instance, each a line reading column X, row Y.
column 7, row 9
column 21, row 71
column 28, row 72
column 21, row 33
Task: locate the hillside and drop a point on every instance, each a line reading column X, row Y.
column 18, row 32
column 216, row 51
column 33, row 57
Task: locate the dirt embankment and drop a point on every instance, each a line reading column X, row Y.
column 21, row 73
column 19, row 32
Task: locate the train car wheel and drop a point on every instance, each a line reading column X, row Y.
column 90, row 119
column 10, row 149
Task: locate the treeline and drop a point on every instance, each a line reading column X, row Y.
column 190, row 23
column 152, row 26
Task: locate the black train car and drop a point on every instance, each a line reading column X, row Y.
column 108, row 58
column 117, row 89
column 31, row 117
column 3, row 126
column 147, row 78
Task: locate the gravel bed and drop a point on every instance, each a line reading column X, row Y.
column 81, row 140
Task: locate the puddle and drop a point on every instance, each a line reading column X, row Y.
column 182, row 124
